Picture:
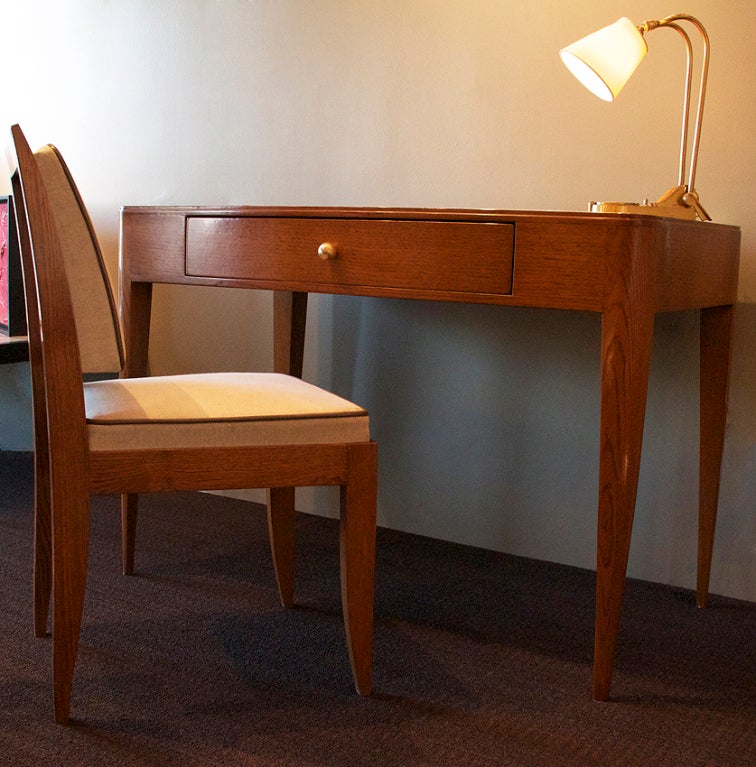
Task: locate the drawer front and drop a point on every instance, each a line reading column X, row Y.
column 440, row 256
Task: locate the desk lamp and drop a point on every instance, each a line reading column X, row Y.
column 604, row 61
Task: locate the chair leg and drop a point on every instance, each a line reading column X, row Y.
column 129, row 505
column 282, row 534
column 42, row 541
column 70, row 555
column 357, row 544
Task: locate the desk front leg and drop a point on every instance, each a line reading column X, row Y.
column 716, row 352
column 626, row 341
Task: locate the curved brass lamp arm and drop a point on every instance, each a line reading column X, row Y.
column 686, row 100
column 670, row 21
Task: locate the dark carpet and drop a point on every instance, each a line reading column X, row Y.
column 480, row 658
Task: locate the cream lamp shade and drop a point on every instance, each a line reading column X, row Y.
column 606, row 59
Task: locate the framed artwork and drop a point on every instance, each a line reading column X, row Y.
column 12, row 308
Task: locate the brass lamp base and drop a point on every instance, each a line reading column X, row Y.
column 676, row 202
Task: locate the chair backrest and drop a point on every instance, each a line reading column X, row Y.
column 97, row 328
column 36, row 359
column 59, row 416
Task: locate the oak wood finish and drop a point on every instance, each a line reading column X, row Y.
column 61, row 409
column 68, row 473
column 628, row 268
column 716, row 352
column 414, row 255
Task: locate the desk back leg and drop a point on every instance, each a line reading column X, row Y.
column 716, row 352
column 136, row 313
column 289, row 320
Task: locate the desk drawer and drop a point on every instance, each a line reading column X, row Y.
column 443, row 256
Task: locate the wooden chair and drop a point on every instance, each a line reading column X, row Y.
column 184, row 432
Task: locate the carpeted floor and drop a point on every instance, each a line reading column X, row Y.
column 480, row 658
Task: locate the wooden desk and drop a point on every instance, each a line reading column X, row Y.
column 625, row 267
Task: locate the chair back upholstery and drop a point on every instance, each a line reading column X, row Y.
column 96, row 321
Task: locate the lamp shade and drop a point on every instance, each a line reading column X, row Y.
column 606, row 59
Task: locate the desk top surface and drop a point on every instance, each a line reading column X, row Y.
column 415, row 213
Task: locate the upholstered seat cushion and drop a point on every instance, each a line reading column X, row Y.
column 218, row 409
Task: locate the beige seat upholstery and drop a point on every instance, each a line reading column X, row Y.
column 184, row 432
column 217, row 409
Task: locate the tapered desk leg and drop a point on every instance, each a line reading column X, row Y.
column 136, row 312
column 289, row 320
column 716, row 351
column 626, row 341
